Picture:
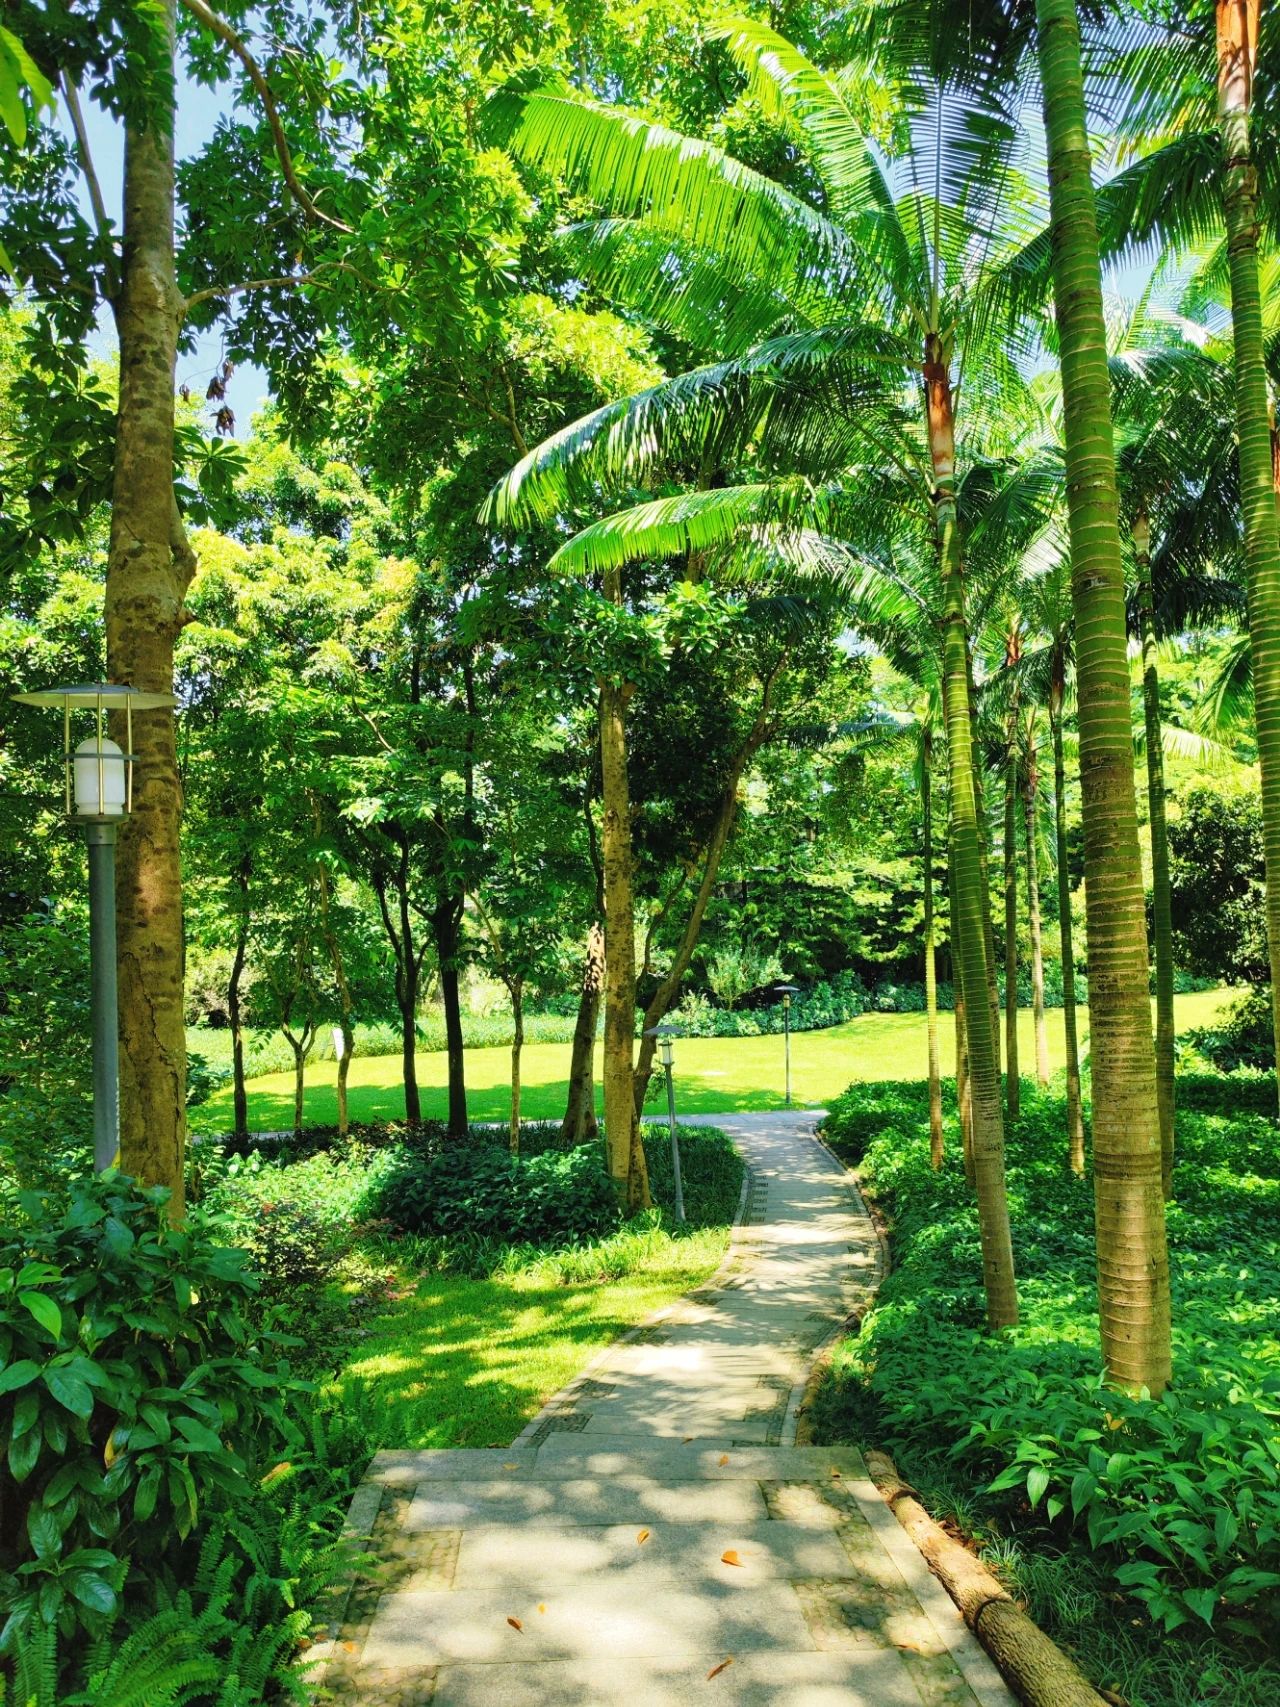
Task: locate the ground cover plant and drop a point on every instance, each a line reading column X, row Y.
column 1157, row 1519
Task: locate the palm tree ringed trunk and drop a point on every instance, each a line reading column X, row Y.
column 1133, row 1263
column 149, row 567
column 1161, row 891
column 930, row 954
column 967, row 919
column 1237, row 45
column 1075, row 1111
column 1013, row 1091
column 1030, row 792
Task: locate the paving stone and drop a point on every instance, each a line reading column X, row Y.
column 584, row 1500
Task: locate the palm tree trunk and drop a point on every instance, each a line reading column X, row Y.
column 984, row 857
column 1237, row 46
column 930, row 958
column 1161, row 894
column 967, row 923
column 1133, row 1262
column 1031, row 789
column 622, row 1129
column 149, row 567
column 1012, row 1092
column 964, row 1102
column 1075, row 1112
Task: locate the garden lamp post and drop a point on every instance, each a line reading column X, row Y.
column 664, row 1034
column 786, row 991
column 98, row 794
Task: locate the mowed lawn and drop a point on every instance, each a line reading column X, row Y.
column 714, row 1075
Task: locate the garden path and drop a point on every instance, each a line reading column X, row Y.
column 655, row 1537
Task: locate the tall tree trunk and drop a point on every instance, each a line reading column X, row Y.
column 149, row 567
column 622, row 1129
column 1237, row 48
column 1133, row 1262
column 239, row 1095
column 580, row 1113
column 1013, row 1088
column 722, row 827
column 1075, row 1111
column 1030, row 793
column 516, row 988
column 984, row 857
column 299, row 1082
column 964, row 1100
column 930, row 956
column 408, row 974
column 1161, row 889
column 967, row 923
column 446, row 922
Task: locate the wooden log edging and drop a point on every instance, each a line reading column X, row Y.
column 1033, row 1665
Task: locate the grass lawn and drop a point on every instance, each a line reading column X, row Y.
column 714, row 1075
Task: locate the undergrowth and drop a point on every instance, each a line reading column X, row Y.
column 1146, row 1532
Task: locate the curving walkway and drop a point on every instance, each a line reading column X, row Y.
column 655, row 1536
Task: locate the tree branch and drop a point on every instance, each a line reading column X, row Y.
column 223, row 30
column 285, row 281
column 71, row 96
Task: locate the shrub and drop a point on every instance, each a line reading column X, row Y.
column 133, row 1392
column 1243, row 1036
column 485, row 1193
column 1180, row 1496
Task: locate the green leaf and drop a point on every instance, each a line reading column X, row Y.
column 24, row 1450
column 1037, row 1482
column 146, row 1493
column 18, row 1374
column 1202, row 1601
column 45, row 1311
column 70, row 1390
column 198, row 1437
column 92, row 1591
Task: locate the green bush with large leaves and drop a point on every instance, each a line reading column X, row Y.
column 134, row 1394
column 485, row 1193
column 1180, row 1496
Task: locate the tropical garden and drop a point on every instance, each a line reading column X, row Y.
column 763, row 523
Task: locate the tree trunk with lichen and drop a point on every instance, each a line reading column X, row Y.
column 149, row 567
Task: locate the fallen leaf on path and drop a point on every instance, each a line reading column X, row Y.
column 349, row 1647
column 510, row 1466
column 729, row 1557
column 542, row 1606
column 835, row 1475
column 516, row 1625
column 642, row 1537
column 686, row 1440
column 724, row 1458
column 723, row 1666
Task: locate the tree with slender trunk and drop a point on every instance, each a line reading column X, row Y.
column 149, row 567
column 1237, row 34
column 930, row 952
column 580, row 1111
column 1012, row 1096
column 1030, row 804
column 1133, row 1264
column 1075, row 1108
column 1161, row 896
column 235, row 1009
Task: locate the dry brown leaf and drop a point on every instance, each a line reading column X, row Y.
column 516, row 1625
column 542, row 1606
column 686, row 1440
column 642, row 1537
column 349, row 1647
column 724, row 1458
column 729, row 1557
column 510, row 1466
column 723, row 1666
column 835, row 1475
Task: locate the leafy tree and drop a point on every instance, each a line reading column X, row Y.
column 1217, row 880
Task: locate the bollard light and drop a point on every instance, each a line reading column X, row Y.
column 98, row 795
column 666, row 1049
column 786, row 991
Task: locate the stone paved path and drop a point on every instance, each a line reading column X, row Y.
column 654, row 1537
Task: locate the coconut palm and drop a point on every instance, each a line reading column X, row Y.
column 739, row 266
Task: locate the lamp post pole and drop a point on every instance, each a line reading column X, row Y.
column 98, row 791
column 101, row 839
column 786, row 991
column 664, row 1035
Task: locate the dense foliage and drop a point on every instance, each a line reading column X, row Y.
column 1181, row 1494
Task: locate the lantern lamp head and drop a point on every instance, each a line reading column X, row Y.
column 786, row 991
column 664, row 1035
column 98, row 772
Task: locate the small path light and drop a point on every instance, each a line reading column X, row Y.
column 664, row 1034
column 786, row 991
column 98, row 791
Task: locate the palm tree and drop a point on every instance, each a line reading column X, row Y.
column 1133, row 1264
column 1030, row 808
column 736, row 263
